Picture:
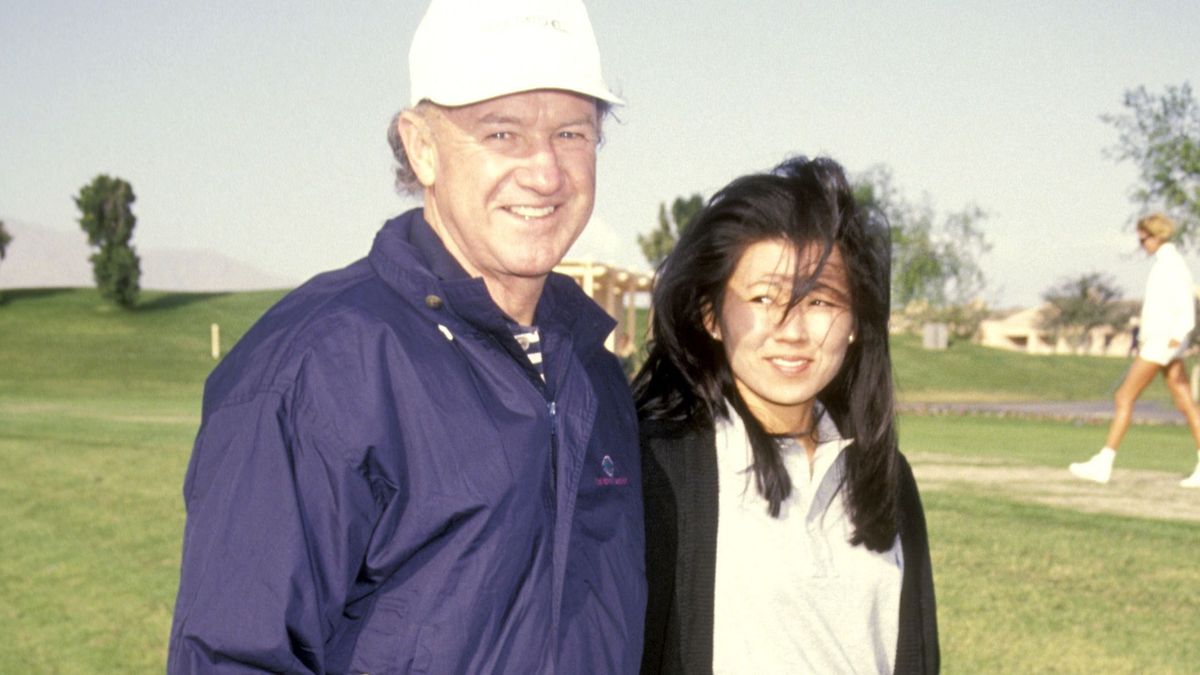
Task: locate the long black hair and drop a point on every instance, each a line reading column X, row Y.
column 686, row 378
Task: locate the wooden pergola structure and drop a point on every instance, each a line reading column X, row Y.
column 613, row 288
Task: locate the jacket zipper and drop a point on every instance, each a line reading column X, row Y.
column 553, row 410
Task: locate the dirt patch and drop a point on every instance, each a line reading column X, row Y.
column 1131, row 492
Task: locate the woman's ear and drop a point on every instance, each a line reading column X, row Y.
column 419, row 145
column 711, row 324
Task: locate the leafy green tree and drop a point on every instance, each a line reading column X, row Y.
column 1078, row 305
column 935, row 260
column 659, row 242
column 106, row 215
column 1161, row 134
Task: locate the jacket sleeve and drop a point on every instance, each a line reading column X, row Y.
column 918, row 651
column 273, row 525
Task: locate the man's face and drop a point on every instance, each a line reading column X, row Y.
column 513, row 181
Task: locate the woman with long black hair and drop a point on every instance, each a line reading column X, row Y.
column 784, row 530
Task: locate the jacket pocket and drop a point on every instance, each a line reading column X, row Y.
column 390, row 642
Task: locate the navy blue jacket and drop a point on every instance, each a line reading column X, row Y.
column 383, row 483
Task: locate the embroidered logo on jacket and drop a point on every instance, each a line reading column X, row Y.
column 610, row 477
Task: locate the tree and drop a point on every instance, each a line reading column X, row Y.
column 1081, row 304
column 1161, row 134
column 5, row 240
column 661, row 241
column 106, row 215
column 935, row 261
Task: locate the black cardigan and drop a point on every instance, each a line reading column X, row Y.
column 679, row 478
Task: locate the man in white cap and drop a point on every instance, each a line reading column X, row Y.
column 427, row 461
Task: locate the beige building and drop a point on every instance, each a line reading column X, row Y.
column 1019, row 331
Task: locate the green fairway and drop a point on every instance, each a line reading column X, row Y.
column 1025, row 588
column 68, row 344
column 1047, row 443
column 968, row 372
column 98, row 408
column 1029, row 589
column 91, row 518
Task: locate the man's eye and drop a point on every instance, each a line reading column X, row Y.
column 500, row 136
column 583, row 136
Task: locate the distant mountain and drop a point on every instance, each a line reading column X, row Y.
column 40, row 256
column 167, row 269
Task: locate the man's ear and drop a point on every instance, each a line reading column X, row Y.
column 419, row 145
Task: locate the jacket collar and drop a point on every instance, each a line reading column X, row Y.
column 410, row 257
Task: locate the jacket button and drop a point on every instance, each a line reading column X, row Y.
column 433, row 302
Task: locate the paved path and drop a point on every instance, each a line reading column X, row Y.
column 1145, row 412
column 1131, row 492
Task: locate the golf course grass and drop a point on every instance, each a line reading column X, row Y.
column 98, row 408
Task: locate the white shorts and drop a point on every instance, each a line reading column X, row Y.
column 1157, row 351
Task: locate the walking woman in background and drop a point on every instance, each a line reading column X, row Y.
column 784, row 530
column 1164, row 332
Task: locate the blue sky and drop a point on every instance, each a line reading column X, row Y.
column 258, row 129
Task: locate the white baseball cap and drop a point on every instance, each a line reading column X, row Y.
column 466, row 51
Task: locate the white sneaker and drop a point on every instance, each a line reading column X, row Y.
column 1097, row 469
column 1192, row 481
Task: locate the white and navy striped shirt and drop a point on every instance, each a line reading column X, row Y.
column 531, row 342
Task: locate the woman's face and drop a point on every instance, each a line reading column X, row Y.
column 1149, row 242
column 782, row 359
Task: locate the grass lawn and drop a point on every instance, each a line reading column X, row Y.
column 1030, row 589
column 1026, row 588
column 91, row 517
column 1047, row 443
column 98, row 408
column 967, row 372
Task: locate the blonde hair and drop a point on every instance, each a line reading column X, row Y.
column 1157, row 225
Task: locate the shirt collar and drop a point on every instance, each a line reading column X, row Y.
column 829, row 438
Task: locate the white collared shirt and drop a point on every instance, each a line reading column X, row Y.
column 792, row 595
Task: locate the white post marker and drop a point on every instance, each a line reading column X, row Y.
column 215, row 330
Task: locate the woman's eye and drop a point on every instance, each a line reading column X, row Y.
column 824, row 301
